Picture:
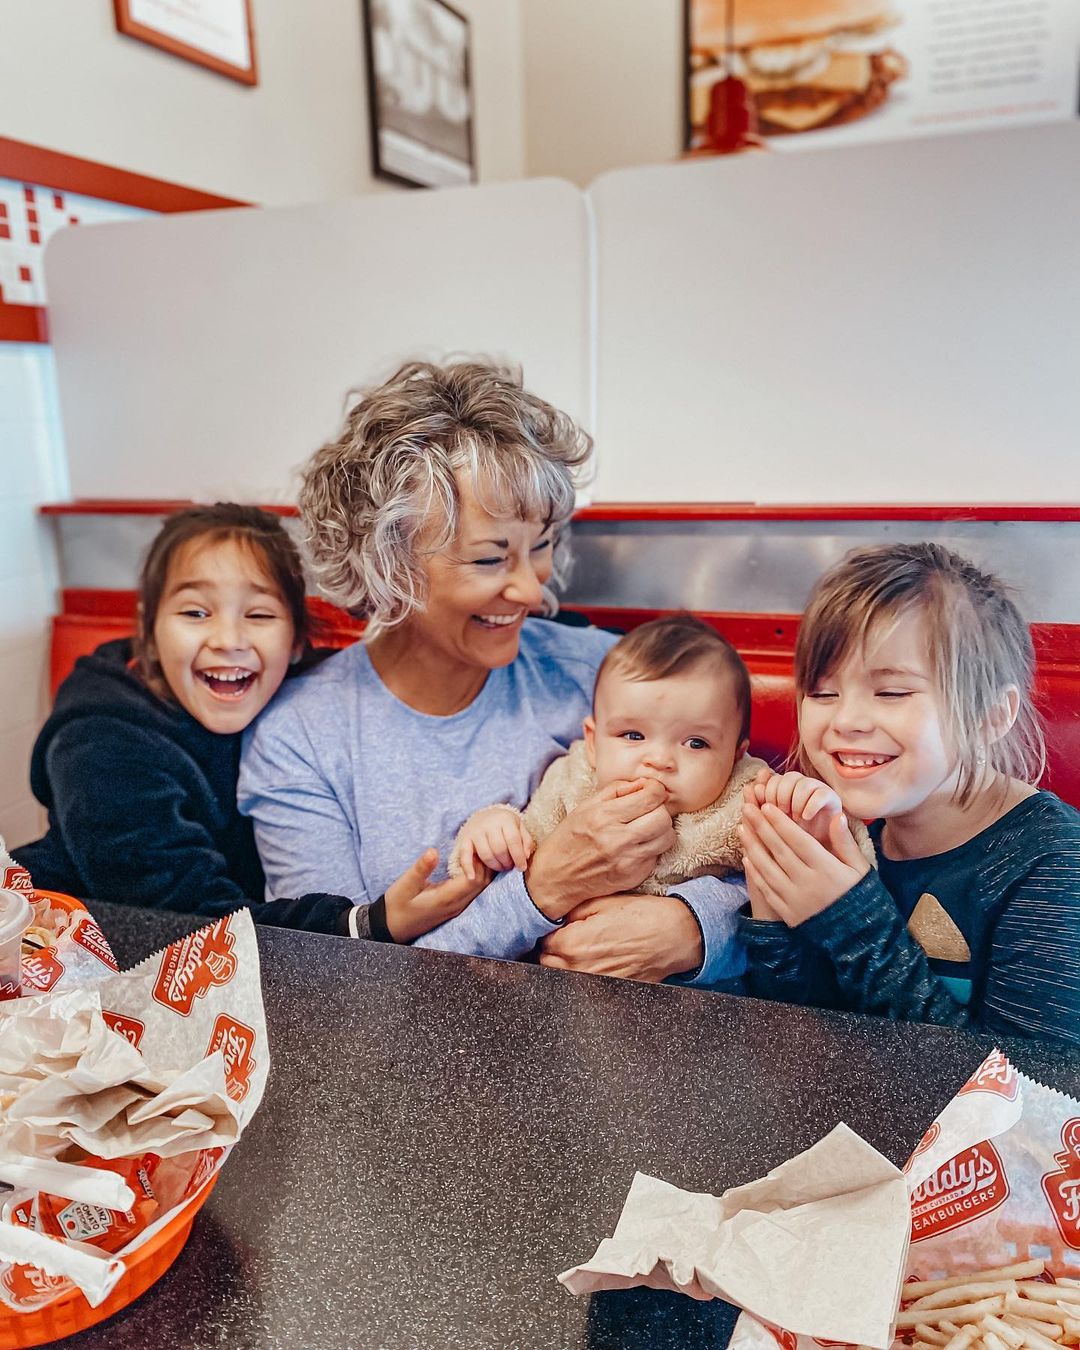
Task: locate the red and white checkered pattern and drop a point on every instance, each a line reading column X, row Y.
column 29, row 216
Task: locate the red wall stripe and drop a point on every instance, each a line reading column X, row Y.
column 676, row 511
column 51, row 169
column 23, row 323
column 35, row 166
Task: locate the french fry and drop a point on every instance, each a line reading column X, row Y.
column 932, row 1334
column 1023, row 1270
column 1049, row 1293
column 1046, row 1331
column 964, row 1338
column 964, row 1312
column 992, row 1342
column 950, row 1327
column 1036, row 1312
column 965, row 1293
column 1010, row 1335
column 1035, row 1340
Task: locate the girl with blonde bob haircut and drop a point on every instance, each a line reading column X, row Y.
column 440, row 515
column 913, row 674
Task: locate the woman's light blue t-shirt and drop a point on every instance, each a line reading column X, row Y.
column 347, row 786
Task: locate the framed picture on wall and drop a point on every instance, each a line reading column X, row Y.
column 419, row 92
column 217, row 34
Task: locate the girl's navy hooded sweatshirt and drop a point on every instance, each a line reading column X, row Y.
column 142, row 806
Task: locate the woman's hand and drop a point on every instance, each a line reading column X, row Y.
column 637, row 937
column 413, row 907
column 790, row 871
column 609, row 844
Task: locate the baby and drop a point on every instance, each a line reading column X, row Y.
column 671, row 702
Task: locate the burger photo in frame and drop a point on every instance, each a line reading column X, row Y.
column 806, row 65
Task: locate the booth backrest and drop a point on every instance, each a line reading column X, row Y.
column 766, row 642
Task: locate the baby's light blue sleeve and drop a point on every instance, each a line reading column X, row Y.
column 715, row 903
column 502, row 921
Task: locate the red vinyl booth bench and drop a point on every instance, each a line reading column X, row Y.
column 90, row 616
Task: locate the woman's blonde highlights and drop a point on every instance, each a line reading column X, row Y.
column 384, row 494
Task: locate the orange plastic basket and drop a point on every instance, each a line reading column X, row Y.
column 61, row 901
column 71, row 1312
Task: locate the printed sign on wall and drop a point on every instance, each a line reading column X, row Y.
column 213, row 33
column 801, row 73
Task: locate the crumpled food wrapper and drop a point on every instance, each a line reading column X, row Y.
column 120, row 1098
column 806, row 1247
column 817, row 1250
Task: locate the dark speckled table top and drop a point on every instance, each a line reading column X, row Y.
column 442, row 1135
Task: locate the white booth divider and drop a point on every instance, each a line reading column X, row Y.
column 209, row 354
column 894, row 323
column 891, row 323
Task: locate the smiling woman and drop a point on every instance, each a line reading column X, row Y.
column 440, row 514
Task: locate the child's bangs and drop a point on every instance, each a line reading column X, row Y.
column 255, row 554
column 847, row 623
column 273, row 565
column 838, row 632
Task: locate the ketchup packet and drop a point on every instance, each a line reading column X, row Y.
column 109, row 1229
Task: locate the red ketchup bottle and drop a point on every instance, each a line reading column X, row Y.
column 732, row 120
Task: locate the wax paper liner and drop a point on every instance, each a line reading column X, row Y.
column 168, row 1060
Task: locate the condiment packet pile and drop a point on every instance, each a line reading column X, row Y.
column 120, row 1098
column 816, row 1252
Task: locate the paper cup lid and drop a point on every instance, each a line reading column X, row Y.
column 15, row 915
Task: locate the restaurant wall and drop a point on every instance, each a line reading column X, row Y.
column 604, row 80
column 70, row 82
column 602, row 85
column 30, row 472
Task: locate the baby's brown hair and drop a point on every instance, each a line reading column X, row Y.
column 674, row 645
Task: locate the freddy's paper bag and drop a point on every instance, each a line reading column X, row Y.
column 995, row 1179
column 63, row 948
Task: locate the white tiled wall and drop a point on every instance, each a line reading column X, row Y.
column 31, row 472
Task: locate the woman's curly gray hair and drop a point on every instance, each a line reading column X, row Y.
column 386, row 485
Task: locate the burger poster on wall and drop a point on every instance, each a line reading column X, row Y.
column 800, row 73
